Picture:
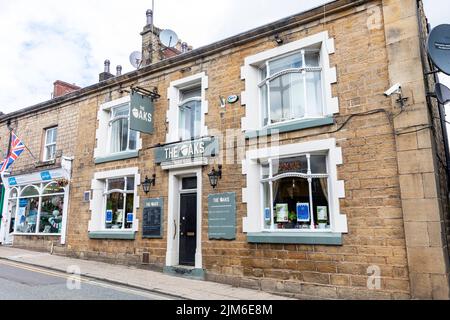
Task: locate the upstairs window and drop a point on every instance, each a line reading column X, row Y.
column 190, row 108
column 291, row 87
column 122, row 139
column 50, row 144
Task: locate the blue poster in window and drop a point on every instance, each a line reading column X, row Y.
column 267, row 214
column 23, row 202
column 12, row 181
column 303, row 212
column 109, row 216
column 129, row 217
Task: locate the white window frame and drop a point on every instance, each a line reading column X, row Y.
column 103, row 132
column 250, row 72
column 46, row 156
column 125, row 192
column 253, row 194
column 182, row 131
column 98, row 205
column 113, row 119
column 40, row 189
column 174, row 94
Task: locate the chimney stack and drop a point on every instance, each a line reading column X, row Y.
column 61, row 88
column 118, row 70
column 106, row 74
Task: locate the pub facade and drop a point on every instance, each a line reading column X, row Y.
column 270, row 160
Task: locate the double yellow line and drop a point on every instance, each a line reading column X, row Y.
column 68, row 276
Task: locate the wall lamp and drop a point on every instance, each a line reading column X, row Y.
column 214, row 176
column 148, row 182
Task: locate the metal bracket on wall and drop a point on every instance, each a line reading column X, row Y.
column 151, row 94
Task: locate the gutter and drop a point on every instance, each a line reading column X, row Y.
column 216, row 47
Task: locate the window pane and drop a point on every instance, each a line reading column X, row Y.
column 124, row 135
column 312, row 59
column 53, row 188
column 265, row 170
column 266, row 205
column 314, row 93
column 295, row 164
column 27, row 215
column 51, row 214
column 29, row 191
column 130, row 183
column 133, row 140
column 190, row 93
column 12, row 206
column 291, row 196
column 289, row 62
column 119, row 135
column 190, row 117
column 121, row 111
column 189, row 183
column 115, row 202
column 129, row 211
column 318, row 164
column 13, row 193
column 287, row 97
column 320, row 202
column 50, row 152
column 51, row 136
column 264, row 105
column 116, row 184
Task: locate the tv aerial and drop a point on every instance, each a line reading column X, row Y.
column 168, row 38
column 136, row 59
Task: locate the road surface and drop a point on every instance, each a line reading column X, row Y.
column 23, row 282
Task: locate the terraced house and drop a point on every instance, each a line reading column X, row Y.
column 271, row 159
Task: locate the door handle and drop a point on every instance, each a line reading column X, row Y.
column 175, row 229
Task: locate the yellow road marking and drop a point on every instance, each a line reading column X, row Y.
column 81, row 279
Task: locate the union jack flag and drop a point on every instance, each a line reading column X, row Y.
column 17, row 148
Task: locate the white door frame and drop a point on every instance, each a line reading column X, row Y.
column 173, row 220
column 5, row 237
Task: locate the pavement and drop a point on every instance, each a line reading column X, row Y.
column 150, row 281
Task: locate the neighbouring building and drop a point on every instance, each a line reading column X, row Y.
column 271, row 160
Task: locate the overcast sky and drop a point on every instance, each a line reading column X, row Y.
column 47, row 40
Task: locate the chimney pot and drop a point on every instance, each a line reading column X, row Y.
column 119, row 70
column 184, row 47
column 149, row 14
column 107, row 65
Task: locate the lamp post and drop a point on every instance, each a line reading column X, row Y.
column 214, row 176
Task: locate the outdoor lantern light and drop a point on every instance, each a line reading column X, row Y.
column 148, row 182
column 214, row 176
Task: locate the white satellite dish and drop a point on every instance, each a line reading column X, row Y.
column 168, row 38
column 136, row 59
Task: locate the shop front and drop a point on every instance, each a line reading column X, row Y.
column 36, row 204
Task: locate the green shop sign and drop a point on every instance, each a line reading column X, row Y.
column 141, row 113
column 207, row 147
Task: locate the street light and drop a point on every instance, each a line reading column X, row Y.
column 147, row 183
column 214, row 176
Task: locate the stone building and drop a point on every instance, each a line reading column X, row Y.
column 328, row 187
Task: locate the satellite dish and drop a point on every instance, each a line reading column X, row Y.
column 168, row 38
column 442, row 93
column 439, row 47
column 136, row 59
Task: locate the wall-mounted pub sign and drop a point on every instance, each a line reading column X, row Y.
column 206, row 147
column 152, row 227
column 141, row 113
column 222, row 216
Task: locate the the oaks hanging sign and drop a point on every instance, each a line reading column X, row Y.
column 141, row 113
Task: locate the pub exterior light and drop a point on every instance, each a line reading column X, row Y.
column 148, row 182
column 214, row 176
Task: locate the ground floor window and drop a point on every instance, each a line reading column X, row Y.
column 295, row 193
column 119, row 203
column 37, row 208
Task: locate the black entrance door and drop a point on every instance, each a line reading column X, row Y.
column 188, row 228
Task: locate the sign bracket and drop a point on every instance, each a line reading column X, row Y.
column 147, row 93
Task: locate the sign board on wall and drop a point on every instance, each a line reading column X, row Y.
column 141, row 113
column 222, row 216
column 206, row 147
column 152, row 226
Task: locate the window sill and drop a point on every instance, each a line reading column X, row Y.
column 325, row 238
column 117, row 157
column 114, row 235
column 289, row 127
column 37, row 234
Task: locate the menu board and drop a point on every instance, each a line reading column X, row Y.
column 152, row 226
column 222, row 216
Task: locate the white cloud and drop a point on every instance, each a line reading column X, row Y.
column 47, row 40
